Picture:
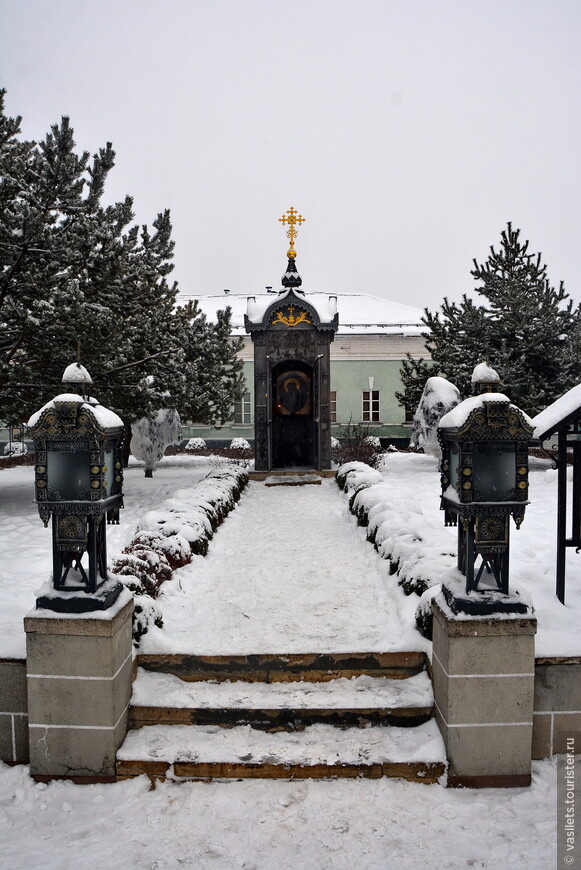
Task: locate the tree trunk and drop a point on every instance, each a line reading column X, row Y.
column 126, row 445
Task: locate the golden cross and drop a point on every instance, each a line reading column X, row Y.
column 293, row 218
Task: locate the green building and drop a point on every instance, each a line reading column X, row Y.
column 373, row 338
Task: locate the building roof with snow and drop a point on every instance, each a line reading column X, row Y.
column 359, row 313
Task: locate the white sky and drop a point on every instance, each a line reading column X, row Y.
column 407, row 132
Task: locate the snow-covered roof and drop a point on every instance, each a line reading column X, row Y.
column 459, row 415
column 359, row 313
column 325, row 306
column 104, row 417
column 549, row 419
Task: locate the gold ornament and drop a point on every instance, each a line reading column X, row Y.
column 292, row 220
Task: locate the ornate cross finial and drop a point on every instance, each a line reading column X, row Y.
column 292, row 218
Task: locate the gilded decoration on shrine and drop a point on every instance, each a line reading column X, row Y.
column 289, row 319
column 292, row 218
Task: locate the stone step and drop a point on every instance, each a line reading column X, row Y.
column 318, row 752
column 291, row 472
column 271, row 668
column 292, row 706
column 292, row 480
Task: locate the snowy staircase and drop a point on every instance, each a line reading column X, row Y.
column 295, row 716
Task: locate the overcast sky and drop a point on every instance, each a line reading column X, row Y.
column 406, row 132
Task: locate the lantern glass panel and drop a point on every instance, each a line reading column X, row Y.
column 68, row 474
column 110, row 472
column 494, row 476
column 453, row 465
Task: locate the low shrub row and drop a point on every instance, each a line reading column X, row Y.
column 168, row 537
column 416, row 549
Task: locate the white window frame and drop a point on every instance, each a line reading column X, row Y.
column 243, row 410
column 332, row 406
column 370, row 406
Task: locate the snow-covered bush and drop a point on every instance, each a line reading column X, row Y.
column 168, row 537
column 151, row 437
column 418, row 551
column 145, row 614
column 356, row 475
column 239, row 444
column 358, row 446
column 335, row 443
column 424, row 613
column 439, row 397
column 15, row 448
column 144, row 570
column 174, row 548
column 195, row 444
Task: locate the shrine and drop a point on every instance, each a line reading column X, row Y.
column 291, row 334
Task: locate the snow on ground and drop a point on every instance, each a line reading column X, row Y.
column 266, row 825
column 25, row 545
column 286, row 573
column 289, row 571
column 273, row 825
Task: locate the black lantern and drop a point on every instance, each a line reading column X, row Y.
column 484, row 477
column 78, row 478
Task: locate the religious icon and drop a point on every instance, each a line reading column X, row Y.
column 293, row 393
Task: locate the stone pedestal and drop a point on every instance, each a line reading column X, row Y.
column 79, row 685
column 483, row 676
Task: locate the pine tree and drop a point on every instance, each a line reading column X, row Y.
column 526, row 328
column 75, row 273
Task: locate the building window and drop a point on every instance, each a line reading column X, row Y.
column 370, row 406
column 333, row 406
column 243, row 410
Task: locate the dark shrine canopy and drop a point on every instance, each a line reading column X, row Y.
column 560, row 415
column 563, row 419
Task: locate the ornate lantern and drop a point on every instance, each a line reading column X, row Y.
column 78, row 479
column 484, row 478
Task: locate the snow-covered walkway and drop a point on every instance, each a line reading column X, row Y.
column 287, row 572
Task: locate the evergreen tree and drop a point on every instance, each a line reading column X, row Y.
column 77, row 273
column 413, row 374
column 525, row 327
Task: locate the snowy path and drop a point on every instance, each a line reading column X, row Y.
column 287, row 572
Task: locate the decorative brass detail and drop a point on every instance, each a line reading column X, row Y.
column 293, row 218
column 95, row 469
column 71, row 527
column 290, row 319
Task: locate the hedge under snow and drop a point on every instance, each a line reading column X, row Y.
column 417, row 549
column 168, row 537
